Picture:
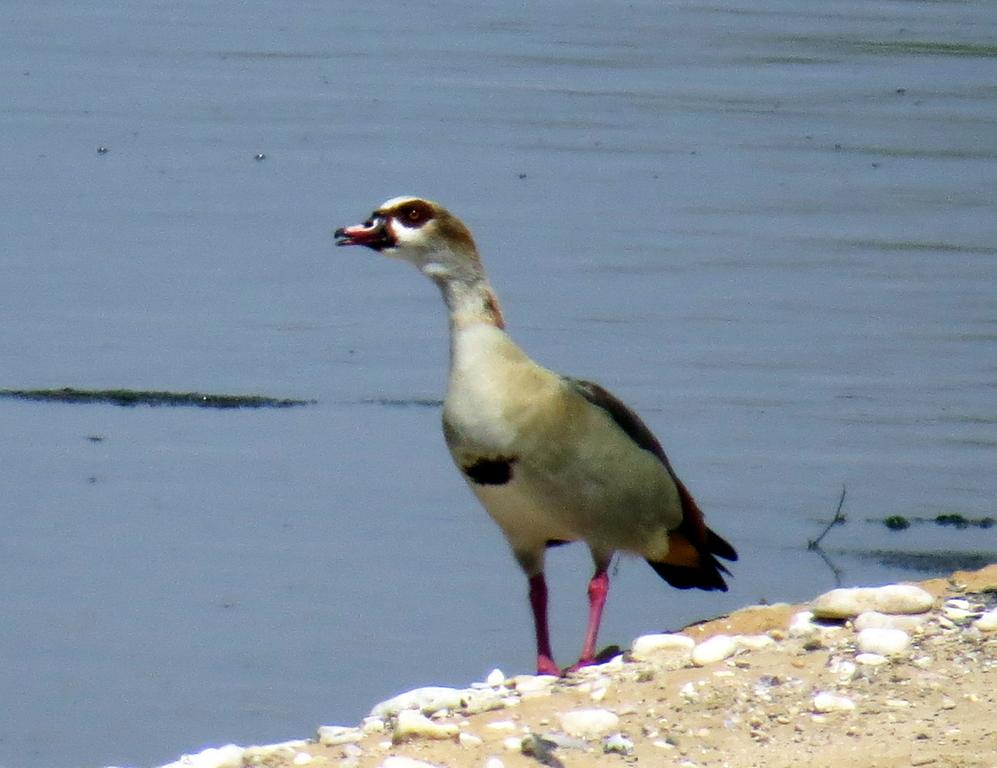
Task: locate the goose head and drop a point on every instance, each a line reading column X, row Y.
column 421, row 232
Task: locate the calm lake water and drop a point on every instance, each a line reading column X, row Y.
column 769, row 226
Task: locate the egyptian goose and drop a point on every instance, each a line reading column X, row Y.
column 553, row 459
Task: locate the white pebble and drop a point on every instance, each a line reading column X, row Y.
column 469, row 740
column 871, row 659
column 494, row 762
column 647, row 647
column 895, row 598
column 534, row 685
column 372, row 725
column 877, row 620
column 987, row 622
column 485, row 700
column 843, row 669
column 885, row 642
column 957, row 614
column 802, row 625
column 618, row 744
column 662, row 744
column 415, row 724
column 754, row 642
column 495, row 677
column 513, row 743
column 429, row 699
column 229, row 756
column 330, row 735
column 599, row 689
column 502, row 725
column 588, row 723
column 832, row 702
column 272, row 753
column 563, row 741
column 717, row 648
column 688, row 691
column 302, row 758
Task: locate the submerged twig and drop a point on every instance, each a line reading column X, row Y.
column 838, row 519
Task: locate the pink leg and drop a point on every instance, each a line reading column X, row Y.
column 598, row 590
column 538, row 602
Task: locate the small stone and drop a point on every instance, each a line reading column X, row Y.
column 662, row 744
column 717, row 648
column 957, row 614
column 987, row 622
column 495, row 677
column 844, row 669
column 429, row 700
column 802, row 625
column 302, row 758
column 618, row 744
column 688, row 691
column 870, row 659
column 494, row 762
column 413, row 724
column 599, row 689
column 663, row 646
column 885, row 642
column 754, row 642
column 331, row 735
column 897, row 703
column 892, row 599
column 877, row 620
column 533, row 685
column 469, row 740
column 948, row 703
column 564, row 741
column 502, row 725
column 588, row 723
column 229, row 756
column 486, row 700
column 273, row 753
column 832, row 702
column 372, row 725
column 513, row 743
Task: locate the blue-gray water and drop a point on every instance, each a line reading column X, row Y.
column 769, row 226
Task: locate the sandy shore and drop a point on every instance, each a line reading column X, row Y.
column 773, row 689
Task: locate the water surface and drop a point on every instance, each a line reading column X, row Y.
column 769, row 227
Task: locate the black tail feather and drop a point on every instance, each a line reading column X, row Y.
column 707, row 574
column 719, row 547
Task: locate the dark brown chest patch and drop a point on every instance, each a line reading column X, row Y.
column 497, row 471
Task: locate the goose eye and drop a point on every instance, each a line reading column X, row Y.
column 416, row 215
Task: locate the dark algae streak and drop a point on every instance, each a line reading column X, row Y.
column 131, row 397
